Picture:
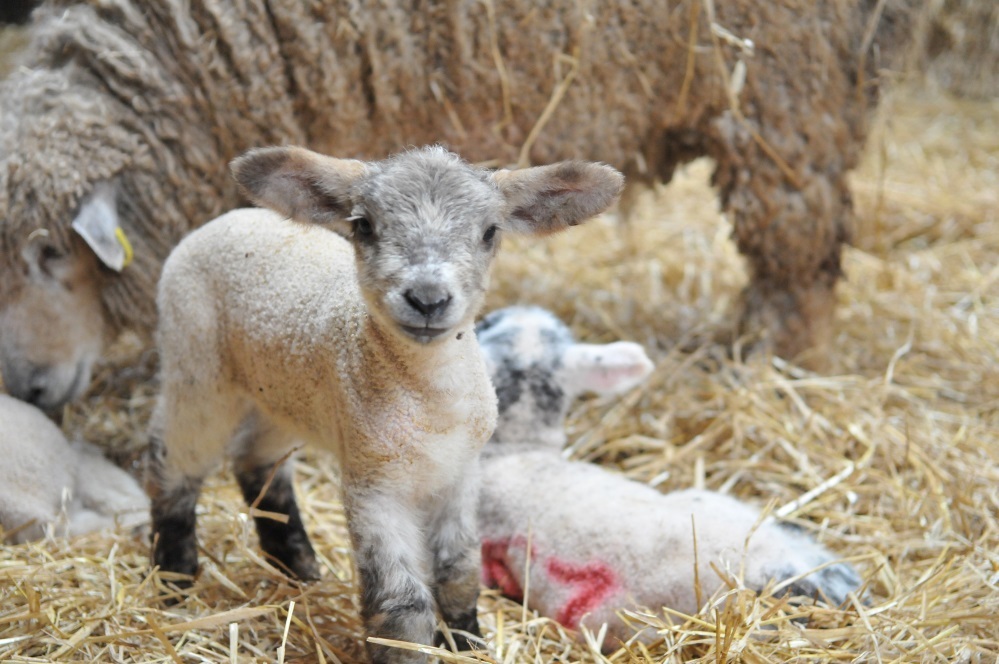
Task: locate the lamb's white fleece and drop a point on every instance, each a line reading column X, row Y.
column 51, row 486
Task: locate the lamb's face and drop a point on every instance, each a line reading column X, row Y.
column 425, row 224
column 525, row 351
column 538, row 370
column 425, row 228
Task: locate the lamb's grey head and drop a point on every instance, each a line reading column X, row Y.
column 538, row 369
column 425, row 225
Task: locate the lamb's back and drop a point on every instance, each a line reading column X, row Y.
column 274, row 308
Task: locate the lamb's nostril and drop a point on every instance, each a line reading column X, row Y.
column 427, row 303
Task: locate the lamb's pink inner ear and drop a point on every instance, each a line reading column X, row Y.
column 606, row 368
column 547, row 199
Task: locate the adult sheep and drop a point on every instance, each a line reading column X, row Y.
column 116, row 131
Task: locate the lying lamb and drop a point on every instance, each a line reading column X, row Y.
column 114, row 135
column 352, row 331
column 49, row 485
column 599, row 542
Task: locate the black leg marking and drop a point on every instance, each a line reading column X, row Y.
column 457, row 560
column 288, row 542
column 175, row 547
column 398, row 608
column 456, row 588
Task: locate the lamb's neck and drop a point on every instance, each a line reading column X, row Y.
column 443, row 365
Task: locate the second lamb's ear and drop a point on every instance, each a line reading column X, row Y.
column 299, row 183
column 546, row 199
column 97, row 224
column 605, row 368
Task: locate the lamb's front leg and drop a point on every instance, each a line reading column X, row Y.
column 457, row 555
column 391, row 557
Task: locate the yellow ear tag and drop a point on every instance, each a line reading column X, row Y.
column 125, row 245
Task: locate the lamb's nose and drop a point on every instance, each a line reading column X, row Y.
column 429, row 301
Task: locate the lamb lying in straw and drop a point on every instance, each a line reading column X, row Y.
column 595, row 542
column 51, row 486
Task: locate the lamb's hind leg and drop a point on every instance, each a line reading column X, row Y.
column 174, row 496
column 391, row 558
column 189, row 435
column 265, row 477
column 454, row 543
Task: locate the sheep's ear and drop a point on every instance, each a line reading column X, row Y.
column 97, row 224
column 299, row 183
column 546, row 199
column 605, row 368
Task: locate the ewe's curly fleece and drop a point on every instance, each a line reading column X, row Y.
column 164, row 94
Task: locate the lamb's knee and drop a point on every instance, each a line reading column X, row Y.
column 395, row 605
column 457, row 568
column 25, row 518
column 456, row 587
column 457, row 556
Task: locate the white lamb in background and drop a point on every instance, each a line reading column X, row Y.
column 51, row 486
column 598, row 541
column 352, row 331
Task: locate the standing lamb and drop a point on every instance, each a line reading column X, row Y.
column 49, row 485
column 115, row 132
column 351, row 331
column 599, row 543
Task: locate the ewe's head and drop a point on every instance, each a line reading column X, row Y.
column 538, row 370
column 52, row 322
column 425, row 225
column 60, row 244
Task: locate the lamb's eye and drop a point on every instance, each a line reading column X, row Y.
column 362, row 228
column 489, row 234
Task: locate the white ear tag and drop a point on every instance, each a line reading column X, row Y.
column 97, row 224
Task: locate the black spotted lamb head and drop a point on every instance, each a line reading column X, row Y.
column 538, row 369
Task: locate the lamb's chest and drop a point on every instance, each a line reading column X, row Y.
column 451, row 436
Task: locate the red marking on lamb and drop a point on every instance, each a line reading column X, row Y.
column 495, row 571
column 594, row 581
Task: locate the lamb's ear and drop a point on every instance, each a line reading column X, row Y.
column 605, row 368
column 97, row 224
column 299, row 183
column 546, row 199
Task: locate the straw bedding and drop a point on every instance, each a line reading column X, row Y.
column 891, row 457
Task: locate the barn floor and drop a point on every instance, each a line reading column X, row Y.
column 894, row 446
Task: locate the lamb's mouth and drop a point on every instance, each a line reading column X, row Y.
column 424, row 334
